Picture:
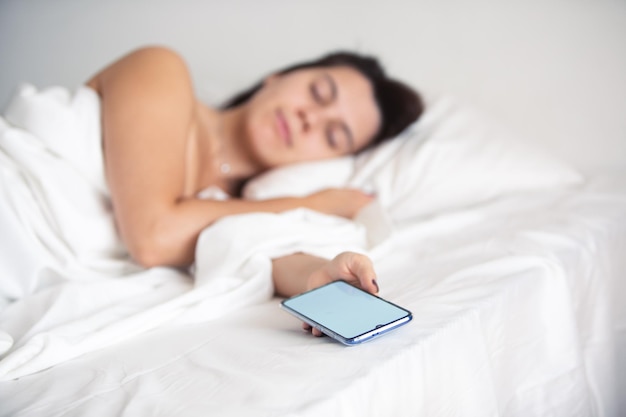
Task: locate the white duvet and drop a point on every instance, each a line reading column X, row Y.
column 517, row 309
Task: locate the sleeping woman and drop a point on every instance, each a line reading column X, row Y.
column 162, row 146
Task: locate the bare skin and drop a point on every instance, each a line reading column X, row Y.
column 162, row 146
column 297, row 273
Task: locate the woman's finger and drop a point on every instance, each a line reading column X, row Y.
column 361, row 268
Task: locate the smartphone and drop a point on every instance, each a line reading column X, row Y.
column 346, row 313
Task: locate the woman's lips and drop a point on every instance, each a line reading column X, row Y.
column 283, row 127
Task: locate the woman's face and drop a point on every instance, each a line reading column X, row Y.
column 311, row 114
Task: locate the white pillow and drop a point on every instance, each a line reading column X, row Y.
column 302, row 179
column 453, row 157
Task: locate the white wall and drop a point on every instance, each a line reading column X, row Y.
column 554, row 70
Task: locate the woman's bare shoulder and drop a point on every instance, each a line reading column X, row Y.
column 146, row 65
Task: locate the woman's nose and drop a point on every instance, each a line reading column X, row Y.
column 310, row 118
column 304, row 120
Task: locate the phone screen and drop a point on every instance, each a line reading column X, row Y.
column 347, row 311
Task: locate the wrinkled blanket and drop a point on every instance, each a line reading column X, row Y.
column 67, row 284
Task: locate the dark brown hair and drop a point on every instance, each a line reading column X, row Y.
column 399, row 104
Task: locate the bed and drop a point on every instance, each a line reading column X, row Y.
column 500, row 219
column 510, row 260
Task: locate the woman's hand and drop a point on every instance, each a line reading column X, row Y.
column 299, row 272
column 352, row 267
column 344, row 202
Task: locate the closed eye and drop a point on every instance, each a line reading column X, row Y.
column 339, row 138
column 323, row 89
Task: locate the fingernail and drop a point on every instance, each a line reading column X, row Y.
column 376, row 285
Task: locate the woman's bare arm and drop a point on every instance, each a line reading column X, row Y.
column 147, row 108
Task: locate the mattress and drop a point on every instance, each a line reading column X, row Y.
column 518, row 311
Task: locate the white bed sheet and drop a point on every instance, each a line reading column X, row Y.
column 517, row 309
